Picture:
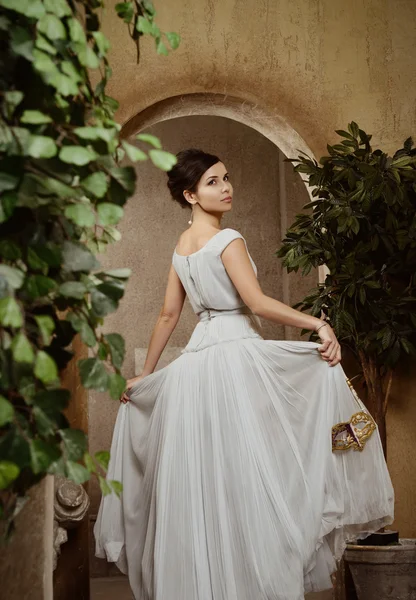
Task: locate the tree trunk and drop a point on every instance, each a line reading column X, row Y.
column 378, row 389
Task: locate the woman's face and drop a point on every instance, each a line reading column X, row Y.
column 214, row 192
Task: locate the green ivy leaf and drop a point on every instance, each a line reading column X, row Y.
column 10, row 313
column 46, row 327
column 76, row 31
column 81, row 326
column 80, row 214
column 96, row 133
column 103, row 459
column 162, row 159
column 78, row 473
column 93, row 374
column 53, row 401
column 125, row 11
column 96, row 184
column 102, row 351
column 35, row 117
column 105, row 488
column 43, row 44
column 22, row 350
column 161, row 48
column 52, row 27
column 45, row 367
column 58, row 467
column 174, row 39
column 150, row 139
column 102, row 304
column 88, row 58
column 21, row 42
column 134, row 154
column 43, row 62
column 109, row 214
column 73, row 289
column 112, row 288
column 117, row 487
column 35, row 262
column 89, row 463
column 65, row 85
column 112, row 234
column 118, row 273
column 8, row 181
column 6, row 411
column 5, row 24
column 117, row 385
column 38, row 286
column 77, row 155
column 14, row 447
column 78, row 258
column 61, row 8
column 44, row 424
column 14, row 277
column 57, row 187
column 117, row 348
column 102, row 42
column 42, row 455
column 75, row 442
column 125, row 176
column 41, row 146
column 30, row 8
column 8, row 473
column 144, row 25
column 69, row 69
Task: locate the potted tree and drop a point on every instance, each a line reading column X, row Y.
column 361, row 225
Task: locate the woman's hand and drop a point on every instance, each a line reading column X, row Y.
column 130, row 383
column 330, row 349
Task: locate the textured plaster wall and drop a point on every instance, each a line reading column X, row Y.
column 316, row 63
column 311, row 65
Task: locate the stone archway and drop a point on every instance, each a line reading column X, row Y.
column 271, row 125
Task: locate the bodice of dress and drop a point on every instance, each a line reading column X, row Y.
column 205, row 278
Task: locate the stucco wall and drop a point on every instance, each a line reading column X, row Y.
column 318, row 64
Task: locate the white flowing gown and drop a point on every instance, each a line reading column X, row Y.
column 231, row 488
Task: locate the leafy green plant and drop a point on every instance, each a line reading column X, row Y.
column 62, row 196
column 361, row 224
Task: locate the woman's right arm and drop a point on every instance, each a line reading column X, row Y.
column 239, row 268
column 166, row 323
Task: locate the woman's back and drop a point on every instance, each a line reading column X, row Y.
column 204, row 277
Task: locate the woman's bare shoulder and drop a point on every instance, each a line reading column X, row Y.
column 193, row 240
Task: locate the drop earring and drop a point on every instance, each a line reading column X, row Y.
column 192, row 217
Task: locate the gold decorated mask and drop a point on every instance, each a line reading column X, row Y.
column 355, row 432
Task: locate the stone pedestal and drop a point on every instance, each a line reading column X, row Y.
column 26, row 562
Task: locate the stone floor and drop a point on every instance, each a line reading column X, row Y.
column 117, row 588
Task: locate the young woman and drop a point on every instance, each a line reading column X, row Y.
column 231, row 488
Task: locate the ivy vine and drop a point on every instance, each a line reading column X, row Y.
column 63, row 188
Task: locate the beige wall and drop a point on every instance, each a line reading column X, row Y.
column 300, row 69
column 318, row 64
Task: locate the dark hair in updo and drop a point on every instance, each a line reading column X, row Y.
column 187, row 172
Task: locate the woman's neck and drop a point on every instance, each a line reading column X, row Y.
column 201, row 218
